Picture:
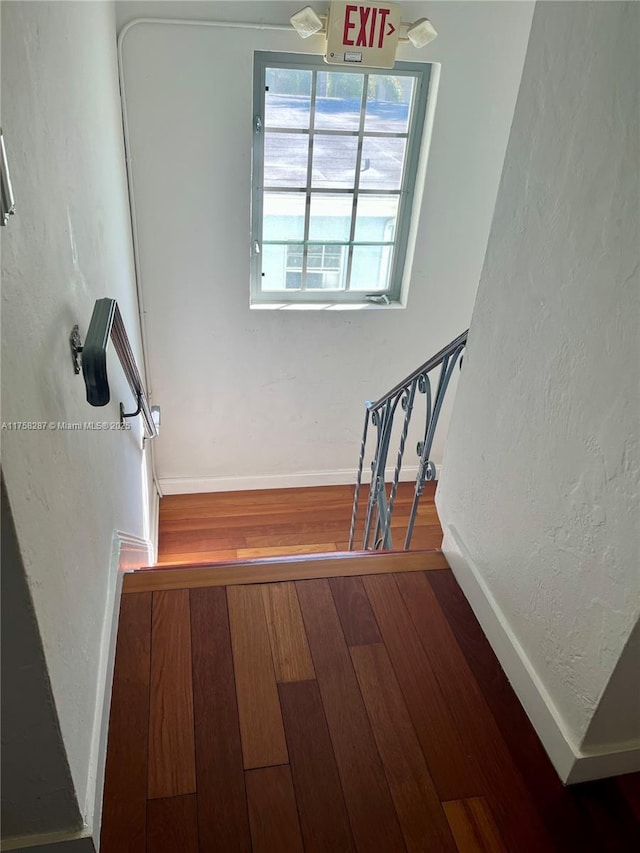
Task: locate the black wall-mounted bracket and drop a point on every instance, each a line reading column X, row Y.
column 135, row 414
column 106, row 324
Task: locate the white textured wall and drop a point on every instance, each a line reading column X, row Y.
column 262, row 393
column 69, row 244
column 541, row 472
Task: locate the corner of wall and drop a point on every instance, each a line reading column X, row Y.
column 571, row 763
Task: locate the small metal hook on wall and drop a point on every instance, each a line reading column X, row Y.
column 75, row 342
column 124, row 414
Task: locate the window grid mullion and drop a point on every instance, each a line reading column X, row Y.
column 345, row 243
column 328, row 131
column 356, row 185
column 334, row 191
column 307, row 201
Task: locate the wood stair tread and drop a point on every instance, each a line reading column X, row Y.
column 274, row 569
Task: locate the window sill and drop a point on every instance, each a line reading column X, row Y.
column 323, row 306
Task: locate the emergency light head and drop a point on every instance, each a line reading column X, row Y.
column 421, row 33
column 305, row 22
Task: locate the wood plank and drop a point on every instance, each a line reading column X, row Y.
column 261, row 730
column 286, row 550
column 555, row 803
column 282, row 569
column 424, row 536
column 222, row 805
column 257, row 508
column 233, row 519
column 323, row 813
column 373, row 819
column 608, row 815
column 473, row 826
column 330, row 533
column 239, row 522
column 261, row 497
column 456, row 775
column 186, row 558
column 172, row 825
column 266, row 526
column 504, row 787
column 289, row 646
column 172, row 768
column 195, row 541
column 354, row 610
column 125, row 783
column 272, row 811
column 417, row 803
column 259, row 529
column 629, row 786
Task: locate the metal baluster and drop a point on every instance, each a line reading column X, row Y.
column 407, row 404
column 356, row 495
column 376, row 419
column 424, row 386
column 383, row 535
column 376, row 493
column 426, row 468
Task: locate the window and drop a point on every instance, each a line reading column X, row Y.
column 335, row 157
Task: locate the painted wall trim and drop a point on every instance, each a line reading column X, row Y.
column 572, row 764
column 615, row 761
column 338, row 477
column 55, row 842
column 154, row 524
column 131, row 552
column 127, row 552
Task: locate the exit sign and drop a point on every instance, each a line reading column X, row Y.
column 363, row 34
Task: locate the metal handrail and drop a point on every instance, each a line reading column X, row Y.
column 381, row 414
column 429, row 365
column 7, row 202
column 106, row 322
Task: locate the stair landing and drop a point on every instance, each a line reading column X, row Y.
column 224, row 526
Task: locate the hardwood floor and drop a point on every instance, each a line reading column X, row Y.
column 359, row 713
column 275, row 703
column 277, row 522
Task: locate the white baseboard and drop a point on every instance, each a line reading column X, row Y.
column 571, row 763
column 613, row 760
column 131, row 552
column 154, row 525
column 338, row 477
column 127, row 552
column 54, row 842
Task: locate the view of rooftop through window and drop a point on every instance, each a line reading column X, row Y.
column 331, row 182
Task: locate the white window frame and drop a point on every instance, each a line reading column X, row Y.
column 398, row 248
